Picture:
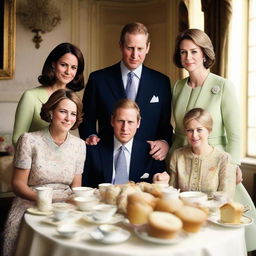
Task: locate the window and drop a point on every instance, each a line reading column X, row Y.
column 251, row 92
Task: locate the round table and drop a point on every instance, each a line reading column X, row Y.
column 38, row 238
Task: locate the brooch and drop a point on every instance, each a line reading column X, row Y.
column 215, row 89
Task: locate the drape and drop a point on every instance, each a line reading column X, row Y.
column 217, row 15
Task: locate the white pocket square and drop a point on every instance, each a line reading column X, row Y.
column 154, row 99
column 145, row 175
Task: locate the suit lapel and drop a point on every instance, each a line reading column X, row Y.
column 115, row 82
column 106, row 155
column 137, row 165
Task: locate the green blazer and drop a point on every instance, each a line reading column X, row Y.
column 27, row 116
column 217, row 96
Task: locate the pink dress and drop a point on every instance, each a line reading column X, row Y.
column 50, row 165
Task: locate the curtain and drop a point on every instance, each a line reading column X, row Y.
column 217, row 15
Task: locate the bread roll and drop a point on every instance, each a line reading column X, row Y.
column 111, row 194
column 143, row 197
column 168, row 205
column 192, row 218
column 152, row 189
column 137, row 213
column 231, row 213
column 163, row 225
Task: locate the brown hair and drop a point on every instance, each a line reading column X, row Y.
column 199, row 38
column 134, row 28
column 126, row 103
column 55, row 99
column 200, row 115
column 48, row 78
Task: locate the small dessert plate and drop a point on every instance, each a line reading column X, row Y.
column 245, row 221
column 142, row 233
column 114, row 234
column 35, row 211
column 88, row 217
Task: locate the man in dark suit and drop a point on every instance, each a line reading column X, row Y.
column 151, row 91
column 101, row 160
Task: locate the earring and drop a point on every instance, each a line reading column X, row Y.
column 53, row 68
column 51, row 116
column 204, row 59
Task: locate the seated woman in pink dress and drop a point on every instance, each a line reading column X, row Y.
column 50, row 157
column 200, row 166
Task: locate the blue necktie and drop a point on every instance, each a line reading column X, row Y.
column 121, row 176
column 130, row 86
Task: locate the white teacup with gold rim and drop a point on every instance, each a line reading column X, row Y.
column 104, row 211
column 86, row 203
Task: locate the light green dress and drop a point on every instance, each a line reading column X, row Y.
column 217, row 96
column 27, row 116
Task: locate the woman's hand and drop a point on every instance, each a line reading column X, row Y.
column 162, row 177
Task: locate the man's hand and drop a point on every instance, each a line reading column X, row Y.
column 239, row 175
column 92, row 140
column 159, row 149
column 162, row 177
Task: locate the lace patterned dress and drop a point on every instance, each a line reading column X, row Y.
column 208, row 173
column 50, row 165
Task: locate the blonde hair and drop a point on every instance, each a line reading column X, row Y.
column 200, row 115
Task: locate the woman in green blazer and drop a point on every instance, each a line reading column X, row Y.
column 63, row 68
column 202, row 89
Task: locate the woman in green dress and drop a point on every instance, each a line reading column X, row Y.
column 63, row 68
column 203, row 89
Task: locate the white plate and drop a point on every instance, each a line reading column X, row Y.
column 72, row 217
column 119, row 236
column 245, row 221
column 142, row 233
column 113, row 220
column 35, row 211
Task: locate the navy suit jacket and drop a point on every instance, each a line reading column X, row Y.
column 99, row 163
column 105, row 88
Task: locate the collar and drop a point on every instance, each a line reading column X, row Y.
column 125, row 70
column 118, row 144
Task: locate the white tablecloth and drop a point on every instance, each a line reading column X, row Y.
column 37, row 238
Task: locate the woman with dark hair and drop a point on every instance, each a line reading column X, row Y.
column 62, row 69
column 50, row 157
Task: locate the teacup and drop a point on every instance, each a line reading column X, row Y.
column 44, row 199
column 104, row 211
column 60, row 212
column 193, row 197
column 68, row 230
column 170, row 193
column 83, row 191
column 85, row 203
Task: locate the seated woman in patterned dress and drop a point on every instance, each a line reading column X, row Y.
column 50, row 157
column 200, row 166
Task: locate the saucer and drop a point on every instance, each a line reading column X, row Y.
column 245, row 221
column 114, row 219
column 120, row 235
column 71, row 217
column 35, row 211
column 142, row 233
